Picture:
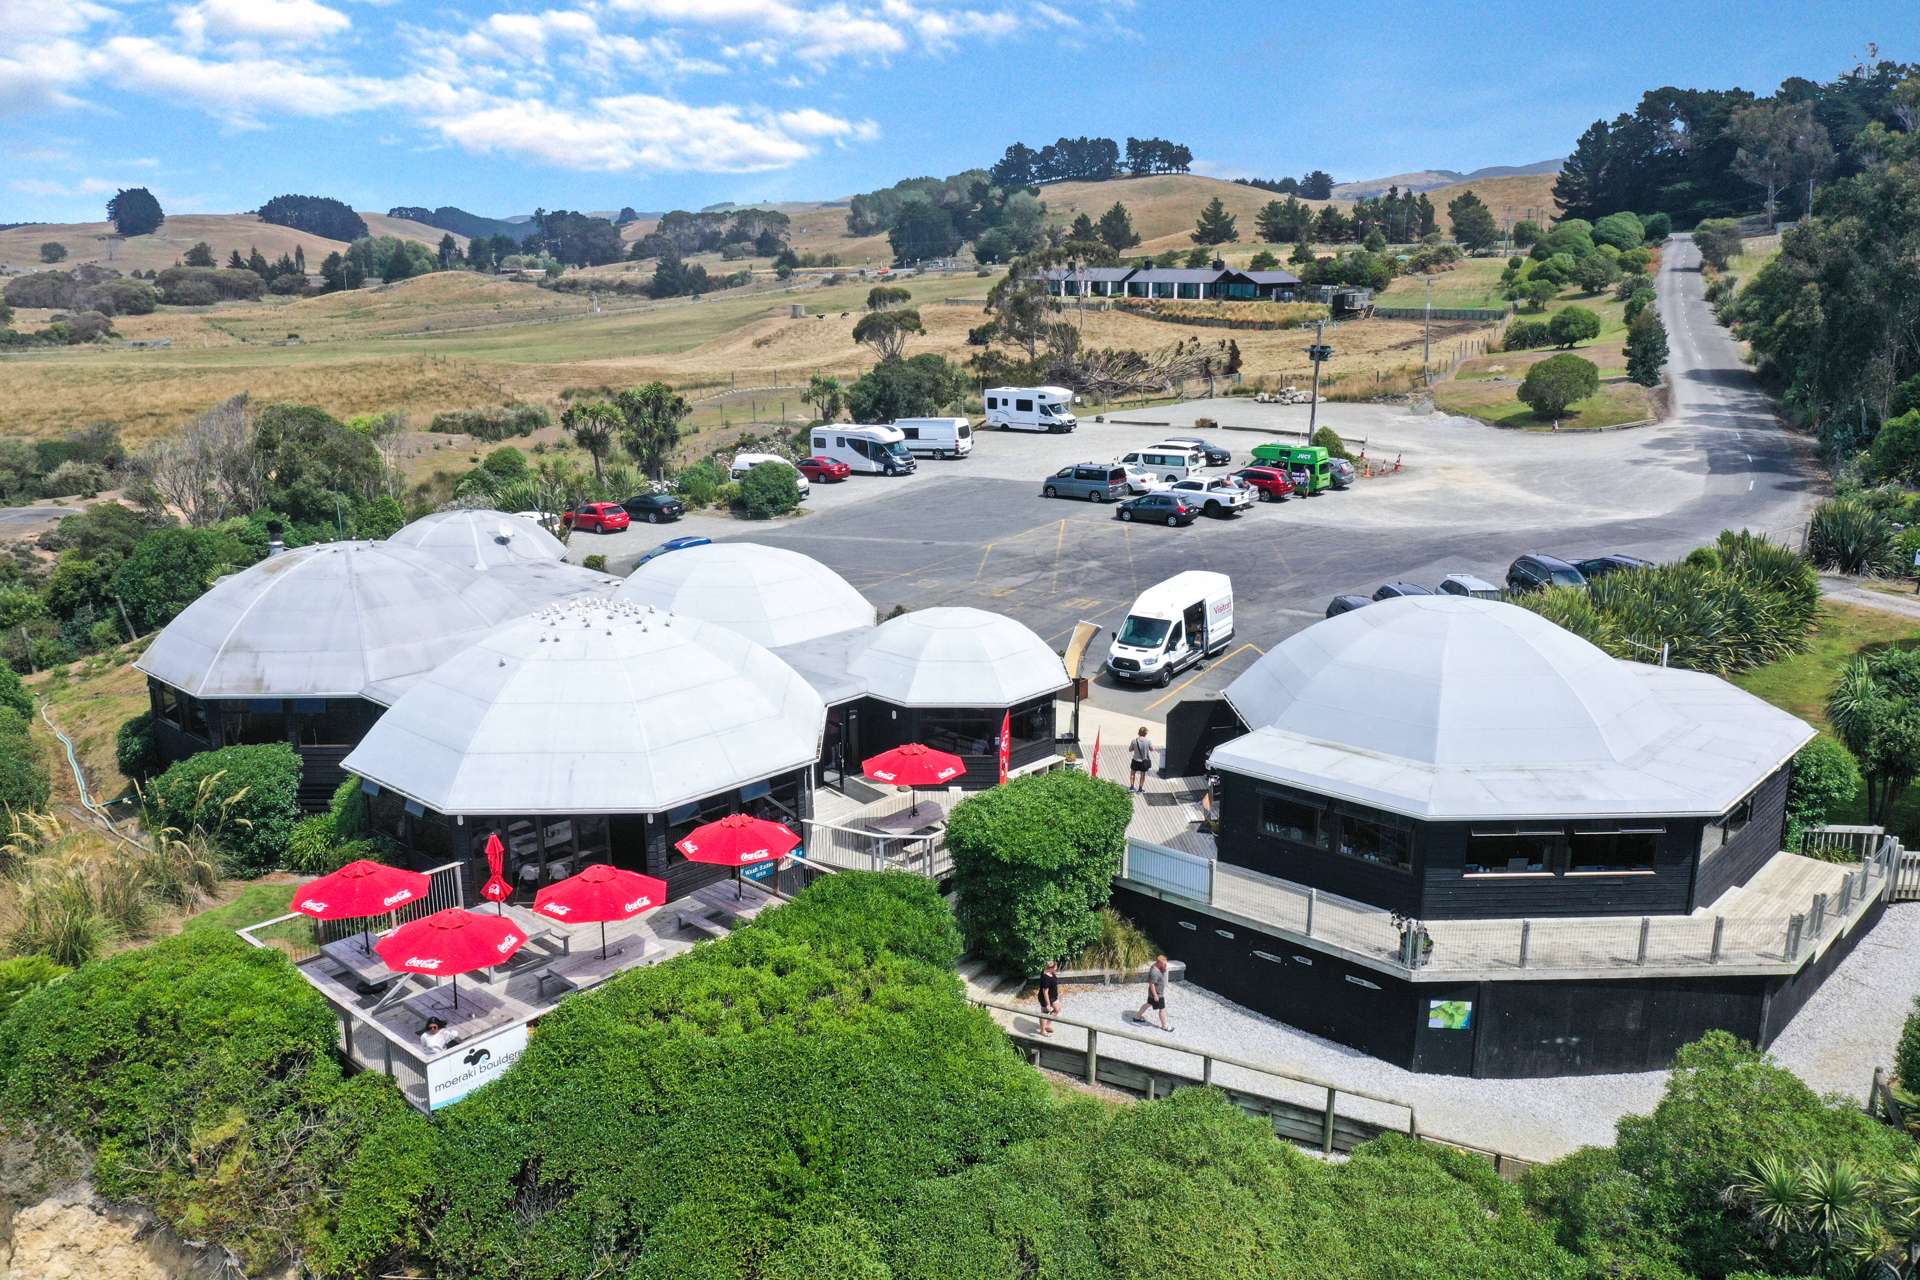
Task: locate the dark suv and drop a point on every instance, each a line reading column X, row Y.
column 1535, row 572
column 654, row 508
column 1601, row 566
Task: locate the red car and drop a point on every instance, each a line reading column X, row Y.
column 818, row 469
column 601, row 517
column 1271, row 483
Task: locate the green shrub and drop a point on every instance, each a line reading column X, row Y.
column 13, row 693
column 244, row 799
column 1825, row 776
column 1906, row 1051
column 1033, row 863
column 313, row 848
column 1718, row 240
column 136, row 749
column 349, row 809
column 598, row 563
column 1895, row 454
column 1525, row 335
column 1621, row 230
column 493, row 424
column 1658, row 226
column 768, row 490
column 21, row 974
column 1557, row 382
column 699, row 484
column 1329, row 439
column 24, row 785
column 1572, row 325
column 1601, row 1212
column 201, row 1072
column 1849, row 535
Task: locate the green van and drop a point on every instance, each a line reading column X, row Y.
column 1311, row 458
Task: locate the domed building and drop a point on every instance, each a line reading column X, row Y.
column 309, row 646
column 1460, row 837
column 591, row 731
column 515, row 550
column 770, row 595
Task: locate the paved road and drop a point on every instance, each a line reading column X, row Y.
column 1469, row 498
column 15, row 518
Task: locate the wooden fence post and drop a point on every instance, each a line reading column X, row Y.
column 1326, row 1124
column 1093, row 1055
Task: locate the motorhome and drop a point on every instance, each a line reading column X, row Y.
column 1173, row 625
column 1030, row 409
column 869, row 450
column 937, row 437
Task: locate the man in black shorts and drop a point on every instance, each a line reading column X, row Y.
column 1140, row 759
column 1049, row 995
column 1156, row 993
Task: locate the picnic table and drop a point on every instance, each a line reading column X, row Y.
column 477, row 1009
column 360, row 961
column 930, row 819
column 577, row 972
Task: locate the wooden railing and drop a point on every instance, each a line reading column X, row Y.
column 851, row 849
column 300, row 937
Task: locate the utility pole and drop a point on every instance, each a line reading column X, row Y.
column 1426, row 341
column 1317, row 353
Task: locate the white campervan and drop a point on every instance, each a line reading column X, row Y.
column 1169, row 462
column 1172, row 626
column 937, row 437
column 874, row 451
column 1030, row 409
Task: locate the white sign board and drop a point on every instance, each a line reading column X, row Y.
column 469, row 1065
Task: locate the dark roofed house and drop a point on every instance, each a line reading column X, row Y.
column 1267, row 286
column 1095, row 282
column 1186, row 283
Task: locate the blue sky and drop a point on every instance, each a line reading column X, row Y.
column 500, row 106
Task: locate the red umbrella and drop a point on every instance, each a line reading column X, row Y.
column 358, row 890
column 451, row 942
column 1006, row 745
column 496, row 890
column 737, row 841
column 600, row 893
column 913, row 765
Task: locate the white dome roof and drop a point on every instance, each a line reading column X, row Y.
column 594, row 706
column 770, row 595
column 539, row 583
column 1446, row 706
column 952, row 657
column 338, row 619
column 480, row 539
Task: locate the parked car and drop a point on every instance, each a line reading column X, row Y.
column 673, row 544
column 1601, row 566
column 1216, row 455
column 1094, row 481
column 1271, row 484
column 824, row 470
column 1341, row 472
column 1393, row 590
column 654, row 508
column 1535, row 572
column 1165, row 507
column 1141, row 479
column 1346, row 604
column 1218, row 496
column 1465, row 584
column 601, row 517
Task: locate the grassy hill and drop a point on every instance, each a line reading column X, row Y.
column 95, row 242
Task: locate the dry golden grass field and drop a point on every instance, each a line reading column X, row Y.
column 94, row 241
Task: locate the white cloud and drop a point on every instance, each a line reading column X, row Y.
column 272, row 21
column 50, row 187
column 633, row 131
column 241, row 89
column 42, row 55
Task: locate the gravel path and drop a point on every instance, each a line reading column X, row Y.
column 1845, row 1030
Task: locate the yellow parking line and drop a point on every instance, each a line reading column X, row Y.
column 1182, row 686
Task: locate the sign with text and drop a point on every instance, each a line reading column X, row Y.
column 470, row 1065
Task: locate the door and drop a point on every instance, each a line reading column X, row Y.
column 1196, row 620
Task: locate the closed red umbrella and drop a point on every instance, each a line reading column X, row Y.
column 599, row 893
column 359, row 890
column 737, row 841
column 451, row 942
column 913, row 765
column 496, row 890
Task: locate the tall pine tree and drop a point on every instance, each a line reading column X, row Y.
column 1116, row 228
column 1215, row 225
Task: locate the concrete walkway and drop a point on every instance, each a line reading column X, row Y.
column 1853, row 591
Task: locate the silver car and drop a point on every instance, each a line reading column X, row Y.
column 1341, row 472
column 1141, row 479
column 1218, row 496
column 1094, row 481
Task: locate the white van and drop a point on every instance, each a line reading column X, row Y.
column 874, row 451
column 1030, row 409
column 1170, row 464
column 937, row 437
column 745, row 462
column 1172, row 626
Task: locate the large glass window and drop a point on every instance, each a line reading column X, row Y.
column 1612, row 852
column 1718, row 831
column 1377, row 838
column 1295, row 820
column 1033, row 725
column 1556, row 850
column 1511, row 854
column 1189, row 291
column 963, row 733
column 253, row 723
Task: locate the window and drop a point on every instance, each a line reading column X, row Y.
column 1376, row 838
column 962, row 732
column 170, row 707
column 334, row 722
column 1718, row 831
column 1610, row 852
column 253, row 723
column 1023, row 406
column 1518, row 854
column 911, row 433
column 1294, row 820
column 1163, row 290
column 1187, row 291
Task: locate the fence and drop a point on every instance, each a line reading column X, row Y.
column 1761, row 939
column 1485, row 315
column 1317, row 1125
column 300, row 937
column 852, row 849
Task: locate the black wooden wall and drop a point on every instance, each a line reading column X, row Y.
column 1243, row 843
column 1749, row 849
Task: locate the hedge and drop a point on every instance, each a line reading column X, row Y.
column 202, row 1074
column 136, row 750
column 1033, row 863
column 24, row 785
column 246, row 799
column 1906, row 1053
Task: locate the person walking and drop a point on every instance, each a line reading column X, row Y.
column 1156, row 993
column 1049, row 995
column 1140, row 758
